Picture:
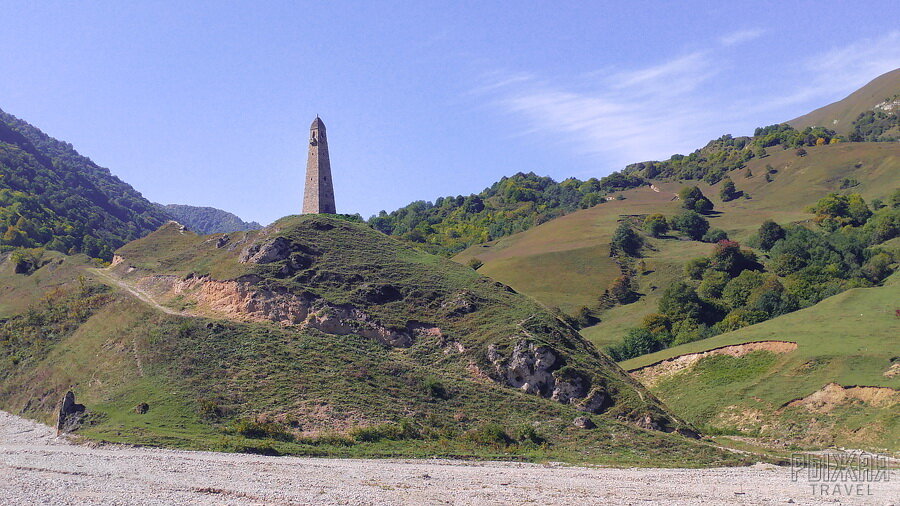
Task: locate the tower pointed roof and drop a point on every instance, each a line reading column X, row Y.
column 317, row 124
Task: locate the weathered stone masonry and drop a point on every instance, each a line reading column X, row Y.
column 319, row 193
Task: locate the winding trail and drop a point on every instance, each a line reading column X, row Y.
column 137, row 292
column 38, row 468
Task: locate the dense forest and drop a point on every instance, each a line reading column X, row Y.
column 52, row 197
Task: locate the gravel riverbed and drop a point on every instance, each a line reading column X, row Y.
column 38, row 468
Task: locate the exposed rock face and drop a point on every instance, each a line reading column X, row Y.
column 70, row 414
column 651, row 375
column 264, row 253
column 537, row 369
column 583, row 422
column 242, row 300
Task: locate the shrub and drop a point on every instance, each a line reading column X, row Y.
column 740, row 318
column 621, row 290
column 585, row 317
column 680, row 301
column 489, row 434
column 526, row 434
column 435, row 388
column 258, row 430
column 692, row 224
column 835, row 211
column 712, row 285
column 694, row 200
column 210, row 410
column 878, row 267
column 714, row 235
column 386, row 431
column 637, row 342
column 626, row 241
column 729, row 191
column 656, row 323
column 769, row 233
column 690, row 330
column 738, row 290
column 475, row 263
column 656, row 225
column 695, row 267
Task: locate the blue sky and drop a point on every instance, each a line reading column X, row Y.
column 209, row 103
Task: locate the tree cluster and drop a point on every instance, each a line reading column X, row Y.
column 513, row 204
column 733, row 288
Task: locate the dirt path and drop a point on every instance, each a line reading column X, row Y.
column 137, row 292
column 37, row 468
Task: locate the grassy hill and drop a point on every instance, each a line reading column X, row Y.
column 323, row 337
column 849, row 340
column 566, row 262
column 839, row 116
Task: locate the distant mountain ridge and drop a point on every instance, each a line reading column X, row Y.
column 208, row 220
column 839, row 116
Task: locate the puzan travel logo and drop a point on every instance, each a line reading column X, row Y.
column 841, row 474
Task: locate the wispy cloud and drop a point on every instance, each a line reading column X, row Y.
column 740, row 36
column 617, row 113
column 674, row 105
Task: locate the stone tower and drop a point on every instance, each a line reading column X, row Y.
column 319, row 194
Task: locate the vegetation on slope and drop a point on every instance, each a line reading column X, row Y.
column 208, row 220
column 513, row 204
column 245, row 384
column 849, row 339
column 52, row 197
column 840, row 115
column 732, row 289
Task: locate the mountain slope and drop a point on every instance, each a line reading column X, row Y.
column 840, row 386
column 565, row 262
column 208, row 220
column 839, row 116
column 51, row 196
column 311, row 326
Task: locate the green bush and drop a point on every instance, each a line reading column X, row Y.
column 387, row 431
column 489, row 434
column 692, row 224
column 260, row 430
column 435, row 388
column 656, row 225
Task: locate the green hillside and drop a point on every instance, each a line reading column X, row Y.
column 840, row 115
column 578, row 244
column 317, row 336
column 52, row 197
column 208, row 220
column 850, row 340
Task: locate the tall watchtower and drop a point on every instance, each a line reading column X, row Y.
column 319, row 194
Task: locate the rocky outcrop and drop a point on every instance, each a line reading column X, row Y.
column 539, row 369
column 583, row 422
column 69, row 415
column 243, row 300
column 833, row 395
column 264, row 253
